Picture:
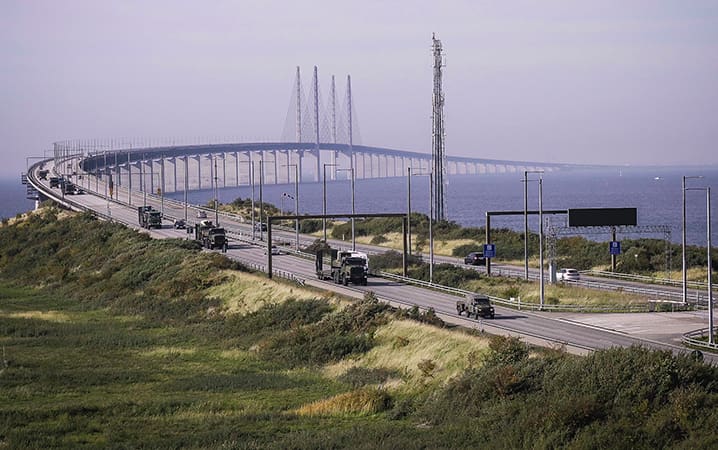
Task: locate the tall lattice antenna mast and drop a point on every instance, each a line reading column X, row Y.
column 438, row 153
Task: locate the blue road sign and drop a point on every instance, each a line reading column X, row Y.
column 615, row 248
column 489, row 250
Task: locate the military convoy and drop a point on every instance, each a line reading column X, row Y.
column 477, row 305
column 209, row 235
column 149, row 217
column 345, row 267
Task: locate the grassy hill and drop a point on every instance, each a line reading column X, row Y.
column 111, row 339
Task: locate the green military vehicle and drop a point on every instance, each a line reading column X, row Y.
column 149, row 217
column 345, row 267
column 477, row 305
column 210, row 235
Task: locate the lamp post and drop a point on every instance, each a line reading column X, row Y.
column 683, row 239
column 261, row 203
column 250, row 163
column 284, row 194
column 216, row 194
column 324, row 199
column 708, row 255
column 526, row 220
column 542, row 290
column 431, row 216
column 431, row 227
column 296, row 203
column 354, row 243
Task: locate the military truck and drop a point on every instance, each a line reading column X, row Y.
column 210, row 235
column 477, row 305
column 68, row 187
column 345, row 267
column 149, row 217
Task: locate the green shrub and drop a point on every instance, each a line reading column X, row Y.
column 429, row 316
column 463, row 250
column 361, row 376
column 309, row 226
column 392, row 260
column 347, row 332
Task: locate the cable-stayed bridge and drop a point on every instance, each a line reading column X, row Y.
column 318, row 135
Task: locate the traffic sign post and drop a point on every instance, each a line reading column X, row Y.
column 489, row 250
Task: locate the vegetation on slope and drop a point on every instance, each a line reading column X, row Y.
column 647, row 256
column 115, row 340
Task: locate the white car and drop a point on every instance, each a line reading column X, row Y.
column 201, row 214
column 568, row 275
column 275, row 250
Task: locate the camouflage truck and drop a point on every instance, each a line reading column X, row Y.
column 149, row 217
column 345, row 267
column 477, row 305
column 210, row 235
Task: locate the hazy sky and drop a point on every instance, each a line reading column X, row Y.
column 599, row 81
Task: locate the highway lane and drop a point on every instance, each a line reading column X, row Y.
column 541, row 328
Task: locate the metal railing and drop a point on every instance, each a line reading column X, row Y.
column 645, row 279
column 695, row 339
column 517, row 303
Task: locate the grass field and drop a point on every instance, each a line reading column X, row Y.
column 112, row 340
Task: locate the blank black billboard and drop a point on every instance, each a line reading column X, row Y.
column 601, row 217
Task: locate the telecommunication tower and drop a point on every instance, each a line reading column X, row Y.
column 438, row 153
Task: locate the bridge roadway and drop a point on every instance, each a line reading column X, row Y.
column 580, row 333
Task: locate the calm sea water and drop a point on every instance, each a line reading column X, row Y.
column 12, row 198
column 655, row 192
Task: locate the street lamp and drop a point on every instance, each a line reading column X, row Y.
column 431, row 217
column 284, row 194
column 526, row 220
column 431, row 227
column 216, row 194
column 296, row 203
column 354, row 243
column 251, row 181
column 683, row 241
column 324, row 199
column 710, row 264
column 261, row 203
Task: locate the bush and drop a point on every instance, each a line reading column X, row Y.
column 392, row 260
column 429, row 316
column 463, row 250
column 309, row 226
column 506, row 350
column 361, row 376
column 347, row 332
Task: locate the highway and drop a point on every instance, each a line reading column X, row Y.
column 579, row 333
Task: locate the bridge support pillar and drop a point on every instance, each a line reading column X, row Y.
column 152, row 175
column 236, row 169
column 224, row 169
